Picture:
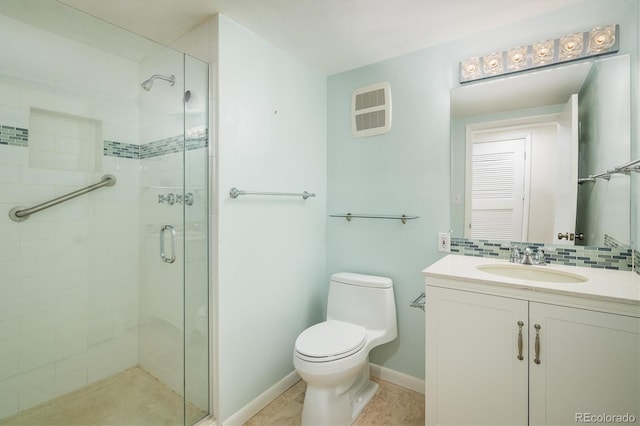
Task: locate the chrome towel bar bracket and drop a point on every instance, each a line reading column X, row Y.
column 350, row 216
column 631, row 166
column 418, row 302
column 235, row 193
column 20, row 213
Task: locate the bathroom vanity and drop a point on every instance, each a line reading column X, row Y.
column 514, row 344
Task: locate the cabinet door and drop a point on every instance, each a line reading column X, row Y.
column 473, row 374
column 589, row 365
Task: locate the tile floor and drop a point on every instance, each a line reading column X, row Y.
column 134, row 397
column 391, row 406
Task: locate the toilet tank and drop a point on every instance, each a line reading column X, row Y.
column 365, row 300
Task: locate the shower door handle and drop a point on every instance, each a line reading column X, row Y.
column 163, row 255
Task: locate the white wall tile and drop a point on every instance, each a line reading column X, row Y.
column 21, row 382
column 9, row 96
column 9, row 406
column 13, row 155
column 9, row 173
column 35, row 359
column 9, row 366
column 14, row 117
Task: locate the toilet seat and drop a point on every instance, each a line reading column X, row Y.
column 329, row 341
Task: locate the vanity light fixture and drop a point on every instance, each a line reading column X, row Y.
column 598, row 41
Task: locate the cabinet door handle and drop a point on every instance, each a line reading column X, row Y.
column 520, row 325
column 537, row 344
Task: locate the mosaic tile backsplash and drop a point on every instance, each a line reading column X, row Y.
column 620, row 258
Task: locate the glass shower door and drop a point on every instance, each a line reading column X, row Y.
column 174, row 343
column 196, row 241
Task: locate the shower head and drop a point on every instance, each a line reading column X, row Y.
column 148, row 84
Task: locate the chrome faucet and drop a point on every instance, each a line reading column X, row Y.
column 527, row 257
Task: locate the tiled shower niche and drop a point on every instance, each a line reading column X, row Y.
column 64, row 142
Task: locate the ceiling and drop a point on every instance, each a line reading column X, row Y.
column 329, row 35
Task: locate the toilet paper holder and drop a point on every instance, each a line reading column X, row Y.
column 418, row 302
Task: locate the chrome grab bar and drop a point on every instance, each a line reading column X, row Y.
column 20, row 213
column 163, row 255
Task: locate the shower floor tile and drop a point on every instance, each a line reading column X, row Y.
column 133, row 397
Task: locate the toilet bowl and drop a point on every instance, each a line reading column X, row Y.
column 332, row 357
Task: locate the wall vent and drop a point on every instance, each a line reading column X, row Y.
column 371, row 110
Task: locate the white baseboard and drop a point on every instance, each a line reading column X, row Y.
column 397, row 378
column 265, row 398
column 207, row 421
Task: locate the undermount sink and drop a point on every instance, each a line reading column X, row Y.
column 532, row 273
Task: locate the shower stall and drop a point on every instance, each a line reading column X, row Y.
column 104, row 195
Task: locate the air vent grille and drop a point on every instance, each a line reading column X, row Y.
column 370, row 120
column 371, row 110
column 370, row 99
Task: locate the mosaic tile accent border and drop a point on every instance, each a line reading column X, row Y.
column 15, row 136
column 196, row 139
column 636, row 261
column 590, row 257
column 121, row 149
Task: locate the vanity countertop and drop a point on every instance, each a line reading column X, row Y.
column 602, row 284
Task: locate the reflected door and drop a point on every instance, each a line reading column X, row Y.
column 567, row 174
column 498, row 190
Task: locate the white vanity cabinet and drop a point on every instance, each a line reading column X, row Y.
column 520, row 360
column 473, row 374
column 589, row 364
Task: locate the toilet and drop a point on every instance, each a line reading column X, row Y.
column 332, row 357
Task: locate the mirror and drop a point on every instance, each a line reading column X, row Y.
column 528, row 139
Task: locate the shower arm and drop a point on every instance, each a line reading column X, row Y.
column 171, row 79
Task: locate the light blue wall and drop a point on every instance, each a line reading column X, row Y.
column 604, row 144
column 407, row 169
column 272, row 282
column 635, row 146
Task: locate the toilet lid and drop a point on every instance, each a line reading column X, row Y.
column 330, row 339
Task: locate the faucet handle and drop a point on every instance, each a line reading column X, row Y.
column 539, row 258
column 514, row 255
